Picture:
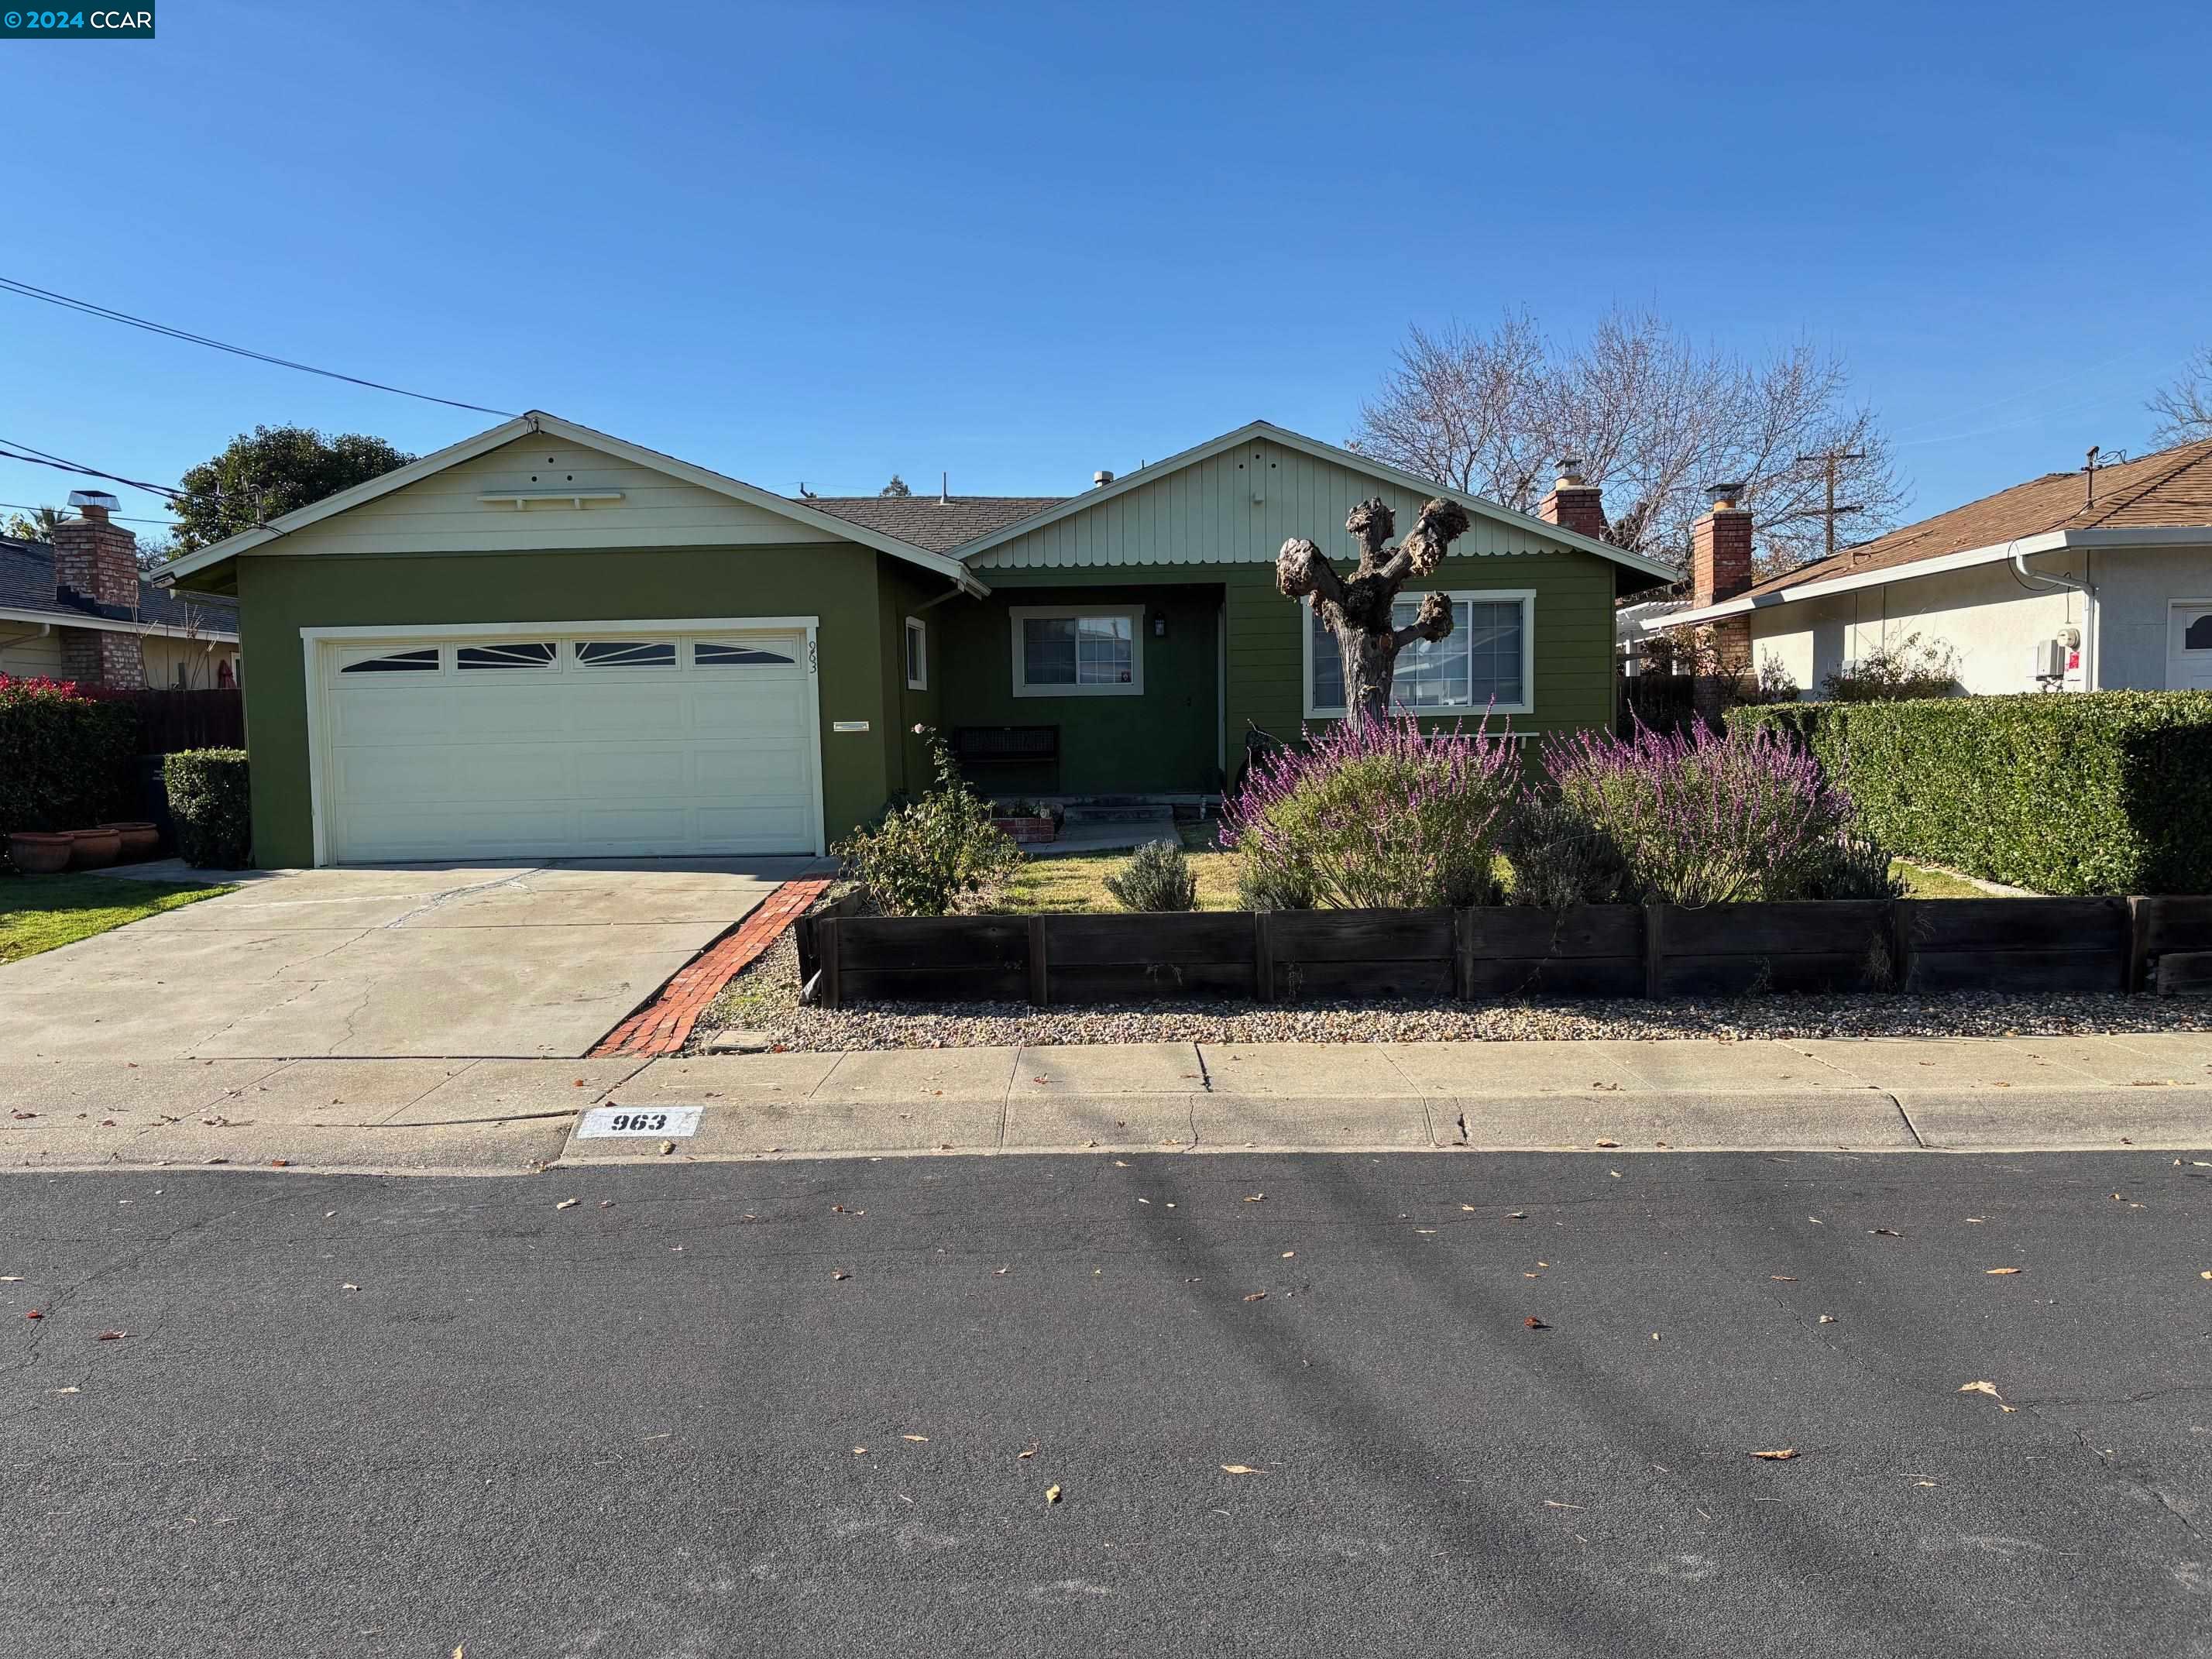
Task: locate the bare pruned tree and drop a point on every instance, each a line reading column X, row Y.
column 1357, row 608
column 1655, row 417
column 2184, row 405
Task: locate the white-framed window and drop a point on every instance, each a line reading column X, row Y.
column 1079, row 650
column 1486, row 662
column 917, row 655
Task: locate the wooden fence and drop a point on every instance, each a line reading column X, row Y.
column 2088, row 945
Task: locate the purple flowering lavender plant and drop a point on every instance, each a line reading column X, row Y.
column 1373, row 812
column 1699, row 818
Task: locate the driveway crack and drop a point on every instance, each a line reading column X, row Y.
column 463, row 891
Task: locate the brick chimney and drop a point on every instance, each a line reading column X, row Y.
column 96, row 559
column 1573, row 504
column 1720, row 569
column 1720, row 549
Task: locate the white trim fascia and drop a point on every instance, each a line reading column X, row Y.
column 114, row 625
column 313, row 641
column 510, row 630
column 1526, row 596
column 536, row 422
column 1351, row 459
column 1018, row 614
column 917, row 681
column 2049, row 541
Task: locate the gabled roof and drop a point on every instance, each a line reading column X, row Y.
column 1345, row 457
column 27, row 594
column 535, row 422
column 935, row 522
column 2169, row 490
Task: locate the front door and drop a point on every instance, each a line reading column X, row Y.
column 2189, row 646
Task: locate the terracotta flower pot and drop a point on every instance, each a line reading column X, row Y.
column 94, row 849
column 140, row 840
column 38, row 854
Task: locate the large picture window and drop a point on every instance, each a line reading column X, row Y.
column 1482, row 664
column 1079, row 651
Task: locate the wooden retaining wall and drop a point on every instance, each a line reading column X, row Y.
column 2089, row 944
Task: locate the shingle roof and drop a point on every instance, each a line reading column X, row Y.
column 27, row 583
column 2171, row 487
column 927, row 522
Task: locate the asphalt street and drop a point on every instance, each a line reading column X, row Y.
column 1287, row 1405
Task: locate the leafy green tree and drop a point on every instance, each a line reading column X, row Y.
column 271, row 472
column 895, row 487
column 38, row 525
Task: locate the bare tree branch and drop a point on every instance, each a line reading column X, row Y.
column 2184, row 405
column 1654, row 417
column 1302, row 568
column 1434, row 622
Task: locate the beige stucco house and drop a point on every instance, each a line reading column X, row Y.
column 2098, row 580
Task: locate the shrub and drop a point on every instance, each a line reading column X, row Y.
column 64, row 757
column 211, row 798
column 1698, row 818
column 2063, row 793
column 1559, row 857
column 1372, row 813
column 1156, row 877
column 920, row 858
column 1896, row 673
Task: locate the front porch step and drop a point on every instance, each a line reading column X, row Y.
column 1120, row 811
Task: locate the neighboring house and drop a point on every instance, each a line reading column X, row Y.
column 2099, row 580
column 77, row 608
column 545, row 641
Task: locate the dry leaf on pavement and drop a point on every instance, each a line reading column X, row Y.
column 1052, row 1494
column 111, row 1336
column 1988, row 1388
column 1608, row 1143
column 1999, row 1271
column 1257, row 1296
column 1241, row 1468
column 1255, row 1198
column 1535, row 1324
column 568, row 1203
column 1031, row 1452
column 839, row 1273
column 922, row 1439
column 1786, row 1453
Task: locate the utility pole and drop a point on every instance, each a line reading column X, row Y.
column 1833, row 460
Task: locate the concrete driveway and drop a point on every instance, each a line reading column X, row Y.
column 430, row 961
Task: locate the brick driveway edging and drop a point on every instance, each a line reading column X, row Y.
column 664, row 1025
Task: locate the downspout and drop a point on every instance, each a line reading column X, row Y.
column 2092, row 657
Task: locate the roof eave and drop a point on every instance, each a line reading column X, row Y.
column 1316, row 447
column 537, row 421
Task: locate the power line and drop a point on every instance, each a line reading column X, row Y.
column 9, row 450
column 30, row 292
column 120, row 517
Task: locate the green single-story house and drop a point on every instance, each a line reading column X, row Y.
column 544, row 642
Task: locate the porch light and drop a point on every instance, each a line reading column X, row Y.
column 1159, row 624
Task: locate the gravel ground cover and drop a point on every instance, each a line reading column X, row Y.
column 765, row 999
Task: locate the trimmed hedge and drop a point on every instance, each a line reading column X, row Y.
column 211, row 799
column 2102, row 792
column 64, row 758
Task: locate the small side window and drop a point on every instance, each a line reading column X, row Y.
column 396, row 662
column 917, row 655
column 2198, row 635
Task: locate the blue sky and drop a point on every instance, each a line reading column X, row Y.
column 824, row 241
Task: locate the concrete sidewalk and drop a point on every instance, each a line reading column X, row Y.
column 1874, row 1095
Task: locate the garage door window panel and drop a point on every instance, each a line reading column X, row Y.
column 626, row 653
column 395, row 662
column 524, row 654
column 722, row 653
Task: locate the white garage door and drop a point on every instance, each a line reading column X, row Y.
column 556, row 744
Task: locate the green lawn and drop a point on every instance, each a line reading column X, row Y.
column 1076, row 885
column 38, row 913
column 1920, row 882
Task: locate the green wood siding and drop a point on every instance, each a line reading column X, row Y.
column 1570, row 666
column 1242, row 504
column 1159, row 742
column 836, row 582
